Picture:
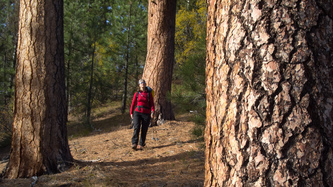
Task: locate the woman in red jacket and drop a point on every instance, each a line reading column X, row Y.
column 142, row 110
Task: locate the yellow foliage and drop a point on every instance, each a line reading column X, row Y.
column 102, row 52
column 190, row 29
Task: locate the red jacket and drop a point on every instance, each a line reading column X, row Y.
column 142, row 105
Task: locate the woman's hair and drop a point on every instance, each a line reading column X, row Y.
column 142, row 81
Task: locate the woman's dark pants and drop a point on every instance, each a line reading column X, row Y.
column 140, row 120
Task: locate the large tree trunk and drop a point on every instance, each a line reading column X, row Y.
column 269, row 93
column 160, row 54
column 39, row 141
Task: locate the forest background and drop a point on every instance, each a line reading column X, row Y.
column 104, row 39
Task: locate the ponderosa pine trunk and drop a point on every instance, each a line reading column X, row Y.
column 269, row 93
column 39, row 141
column 160, row 54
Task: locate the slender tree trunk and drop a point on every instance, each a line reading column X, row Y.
column 10, row 56
column 68, row 104
column 4, row 85
column 136, row 71
column 90, row 98
column 269, row 93
column 15, row 41
column 123, row 108
column 12, row 77
column 160, row 54
column 39, row 141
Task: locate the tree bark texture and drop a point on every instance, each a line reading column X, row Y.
column 269, row 93
column 160, row 54
column 39, row 140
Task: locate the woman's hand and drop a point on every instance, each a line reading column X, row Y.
column 152, row 115
column 131, row 116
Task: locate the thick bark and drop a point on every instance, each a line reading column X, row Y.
column 160, row 54
column 269, row 93
column 39, row 140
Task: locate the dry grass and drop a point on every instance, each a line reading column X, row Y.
column 104, row 157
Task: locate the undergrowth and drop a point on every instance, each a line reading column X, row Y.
column 6, row 120
column 191, row 103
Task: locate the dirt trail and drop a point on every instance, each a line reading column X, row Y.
column 106, row 159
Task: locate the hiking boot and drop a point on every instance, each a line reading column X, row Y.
column 134, row 146
column 140, row 147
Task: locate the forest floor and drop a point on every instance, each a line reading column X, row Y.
column 104, row 157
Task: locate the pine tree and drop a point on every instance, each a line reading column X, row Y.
column 39, row 142
column 160, row 54
column 269, row 94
